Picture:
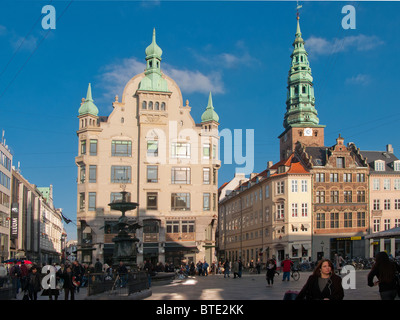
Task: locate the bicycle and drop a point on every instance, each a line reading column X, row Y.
column 294, row 274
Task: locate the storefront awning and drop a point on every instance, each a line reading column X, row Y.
column 296, row 246
column 306, row 246
column 174, row 247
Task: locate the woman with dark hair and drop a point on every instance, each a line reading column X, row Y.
column 385, row 270
column 323, row 284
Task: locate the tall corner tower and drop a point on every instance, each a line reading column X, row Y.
column 300, row 122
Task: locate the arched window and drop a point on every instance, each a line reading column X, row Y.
column 144, row 105
column 157, row 106
column 151, row 105
column 163, row 106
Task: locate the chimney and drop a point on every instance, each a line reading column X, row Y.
column 389, row 148
column 270, row 164
column 252, row 175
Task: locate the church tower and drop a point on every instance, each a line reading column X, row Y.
column 301, row 122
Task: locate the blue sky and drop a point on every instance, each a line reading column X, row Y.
column 240, row 51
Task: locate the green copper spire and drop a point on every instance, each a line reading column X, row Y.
column 153, row 80
column 300, row 103
column 209, row 114
column 88, row 107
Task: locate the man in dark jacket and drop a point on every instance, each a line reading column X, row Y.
column 33, row 283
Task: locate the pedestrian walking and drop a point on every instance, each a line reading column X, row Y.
column 205, row 268
column 286, row 267
column 323, row 284
column 3, row 275
column 78, row 272
column 69, row 287
column 271, row 268
column 258, row 266
column 240, row 268
column 148, row 267
column 385, row 271
column 226, row 268
column 32, row 283
column 339, row 261
column 24, row 274
column 15, row 273
column 235, row 269
column 122, row 273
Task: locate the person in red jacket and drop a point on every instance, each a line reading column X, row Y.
column 286, row 267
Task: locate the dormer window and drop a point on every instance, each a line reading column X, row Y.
column 281, row 169
column 396, row 165
column 379, row 165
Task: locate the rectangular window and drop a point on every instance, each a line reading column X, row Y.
column 82, row 201
column 348, row 222
column 360, row 219
column 121, row 148
column 180, row 201
column 320, row 217
column 206, row 175
column 347, row 177
column 396, row 223
column 152, row 148
column 187, row 226
column 83, row 147
column 267, row 191
column 82, row 173
column 152, row 174
column 320, row 197
column 206, row 202
column 348, row 196
column 379, row 165
column 396, row 184
column 386, row 224
column 117, row 196
column 180, row 175
column 397, row 204
column 120, row 174
column 360, row 177
column 375, row 184
column 304, row 209
column 93, row 147
column 386, row 204
column 294, row 185
column 92, row 201
column 386, row 184
column 172, row 226
column 360, row 196
column 304, row 187
column 339, row 162
column 320, row 177
column 206, row 151
column 214, row 152
column 334, row 196
column 152, row 200
column 334, row 220
column 377, row 225
column 92, row 174
column 334, row 177
column 180, row 150
column 377, row 205
column 294, row 209
column 280, row 187
column 280, row 211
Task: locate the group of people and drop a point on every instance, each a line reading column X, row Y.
column 325, row 284
column 27, row 278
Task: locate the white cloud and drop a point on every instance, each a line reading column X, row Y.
column 362, row 79
column 24, row 43
column 322, row 46
column 114, row 77
column 195, row 81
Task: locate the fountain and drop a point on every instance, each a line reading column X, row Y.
column 124, row 244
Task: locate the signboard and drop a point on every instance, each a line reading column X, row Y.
column 349, row 238
column 14, row 221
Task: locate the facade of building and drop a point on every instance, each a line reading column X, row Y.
column 36, row 226
column 150, row 147
column 268, row 216
column 5, row 199
column 384, row 199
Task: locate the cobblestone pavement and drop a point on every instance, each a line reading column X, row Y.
column 249, row 287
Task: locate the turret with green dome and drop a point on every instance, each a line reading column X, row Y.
column 209, row 114
column 88, row 107
column 153, row 80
